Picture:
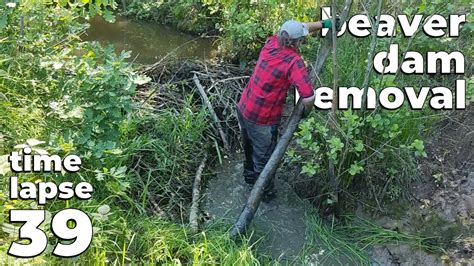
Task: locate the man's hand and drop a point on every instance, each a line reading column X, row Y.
column 308, row 104
column 327, row 23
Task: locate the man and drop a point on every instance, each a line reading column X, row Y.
column 259, row 110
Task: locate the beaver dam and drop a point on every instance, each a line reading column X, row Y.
column 280, row 227
column 290, row 228
column 173, row 84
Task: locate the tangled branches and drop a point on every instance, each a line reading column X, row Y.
column 172, row 84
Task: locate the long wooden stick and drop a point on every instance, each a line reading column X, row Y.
column 212, row 112
column 193, row 213
column 332, row 116
column 370, row 63
column 270, row 168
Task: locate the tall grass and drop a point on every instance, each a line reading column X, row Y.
column 349, row 242
column 160, row 242
column 162, row 149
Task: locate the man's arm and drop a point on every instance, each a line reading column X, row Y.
column 327, row 23
column 299, row 77
column 314, row 26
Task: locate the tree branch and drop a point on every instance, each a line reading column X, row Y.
column 370, row 62
column 193, row 213
column 212, row 112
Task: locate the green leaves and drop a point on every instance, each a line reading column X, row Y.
column 381, row 140
column 108, row 16
column 6, row 11
column 4, row 165
column 310, row 169
column 359, row 145
column 419, row 148
column 355, row 168
column 335, row 146
column 100, row 95
column 3, row 21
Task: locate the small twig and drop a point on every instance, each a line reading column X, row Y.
column 193, row 214
column 22, row 25
column 157, row 209
column 155, row 65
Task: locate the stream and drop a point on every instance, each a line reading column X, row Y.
column 148, row 41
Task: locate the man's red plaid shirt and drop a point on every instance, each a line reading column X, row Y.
column 277, row 68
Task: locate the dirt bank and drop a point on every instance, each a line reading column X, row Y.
column 443, row 206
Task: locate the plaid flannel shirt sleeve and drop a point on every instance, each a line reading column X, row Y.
column 299, row 77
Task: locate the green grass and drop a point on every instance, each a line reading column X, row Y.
column 327, row 244
column 350, row 241
column 160, row 242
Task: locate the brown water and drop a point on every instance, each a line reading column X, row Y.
column 279, row 226
column 148, row 41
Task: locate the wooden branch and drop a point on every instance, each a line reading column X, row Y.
column 327, row 41
column 22, row 25
column 247, row 214
column 193, row 213
column 333, row 182
column 213, row 113
column 370, row 63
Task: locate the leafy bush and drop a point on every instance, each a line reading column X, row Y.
column 73, row 97
column 189, row 16
column 374, row 150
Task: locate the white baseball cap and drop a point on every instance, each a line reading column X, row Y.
column 295, row 29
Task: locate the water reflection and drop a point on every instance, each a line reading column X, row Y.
column 149, row 41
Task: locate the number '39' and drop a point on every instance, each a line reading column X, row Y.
column 80, row 234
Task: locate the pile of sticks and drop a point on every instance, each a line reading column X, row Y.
column 215, row 86
column 196, row 85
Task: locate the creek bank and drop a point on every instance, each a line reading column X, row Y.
column 443, row 198
column 449, row 168
column 442, row 209
column 393, row 255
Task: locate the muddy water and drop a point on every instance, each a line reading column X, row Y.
column 279, row 227
column 148, row 41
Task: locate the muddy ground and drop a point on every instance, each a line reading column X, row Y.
column 443, row 206
column 279, row 225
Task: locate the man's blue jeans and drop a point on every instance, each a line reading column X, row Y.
column 259, row 141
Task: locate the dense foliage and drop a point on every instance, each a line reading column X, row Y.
column 368, row 147
column 63, row 96
column 377, row 150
